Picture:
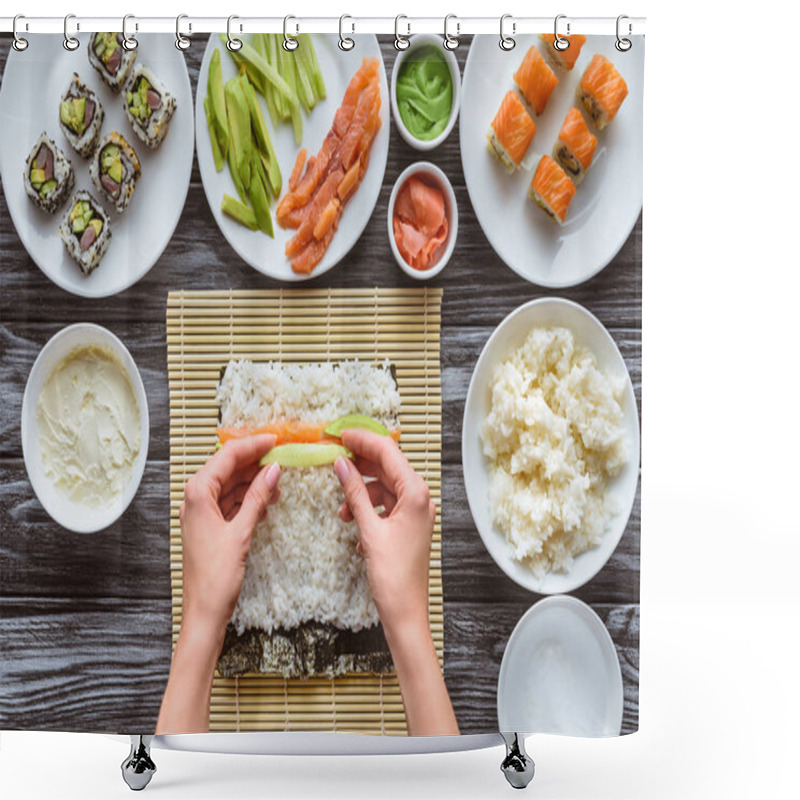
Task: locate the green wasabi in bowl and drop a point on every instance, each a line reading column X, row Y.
column 424, row 93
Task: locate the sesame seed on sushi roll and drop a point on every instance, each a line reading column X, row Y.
column 85, row 231
column 48, row 176
column 111, row 60
column 511, row 132
column 551, row 189
column 115, row 168
column 81, row 115
column 562, row 59
column 601, row 91
column 575, row 147
column 148, row 106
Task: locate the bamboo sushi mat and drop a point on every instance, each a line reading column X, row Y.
column 205, row 330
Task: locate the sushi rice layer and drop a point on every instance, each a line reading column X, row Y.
column 303, row 563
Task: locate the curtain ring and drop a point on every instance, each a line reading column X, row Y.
column 623, row 45
column 345, row 42
column 128, row 42
column 181, row 42
column 290, row 43
column 451, row 42
column 233, row 44
column 401, row 42
column 560, row 43
column 19, row 43
column 70, row 42
column 507, row 42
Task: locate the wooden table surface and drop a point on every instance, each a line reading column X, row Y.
column 85, row 620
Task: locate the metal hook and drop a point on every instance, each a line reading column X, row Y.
column 233, row 44
column 19, row 44
column 401, row 42
column 451, row 42
column 623, row 45
column 345, row 42
column 129, row 42
column 507, row 42
column 560, row 43
column 290, row 44
column 182, row 42
column 70, row 42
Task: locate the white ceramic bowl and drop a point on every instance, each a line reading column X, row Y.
column 560, row 673
column 75, row 516
column 589, row 332
column 433, row 175
column 421, row 40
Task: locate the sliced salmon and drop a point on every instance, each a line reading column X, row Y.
column 563, row 59
column 512, row 131
column 575, row 147
column 551, row 189
column 535, row 80
column 602, row 90
column 298, row 169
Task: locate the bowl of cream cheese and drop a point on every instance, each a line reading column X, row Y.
column 85, row 428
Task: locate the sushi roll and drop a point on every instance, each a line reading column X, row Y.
column 115, row 169
column 81, row 116
column 48, row 175
column 85, row 231
column 535, row 80
column 511, row 132
column 575, row 147
column 562, row 59
column 148, row 106
column 111, row 60
column 601, row 91
column 551, row 189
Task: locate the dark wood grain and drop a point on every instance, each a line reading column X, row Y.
column 85, row 620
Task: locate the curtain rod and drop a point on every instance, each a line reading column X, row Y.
column 463, row 26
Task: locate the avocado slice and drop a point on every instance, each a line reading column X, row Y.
column 37, row 177
column 48, row 187
column 97, row 224
column 115, row 171
column 361, row 421
column 305, row 455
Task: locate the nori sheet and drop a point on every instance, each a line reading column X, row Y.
column 311, row 649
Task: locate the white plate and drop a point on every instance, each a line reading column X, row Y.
column 609, row 199
column 33, row 83
column 560, row 673
column 76, row 516
column 256, row 248
column 589, row 332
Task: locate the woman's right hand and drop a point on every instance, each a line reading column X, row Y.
column 396, row 544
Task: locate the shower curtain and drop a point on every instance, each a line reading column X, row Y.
column 421, row 264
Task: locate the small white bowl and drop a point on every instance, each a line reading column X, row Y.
column 590, row 333
column 432, row 174
column 560, row 673
column 421, row 40
column 74, row 516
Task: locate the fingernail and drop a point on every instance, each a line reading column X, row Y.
column 341, row 469
column 271, row 478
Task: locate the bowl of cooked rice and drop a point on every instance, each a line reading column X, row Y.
column 550, row 446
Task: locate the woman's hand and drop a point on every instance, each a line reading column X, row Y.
column 222, row 505
column 396, row 545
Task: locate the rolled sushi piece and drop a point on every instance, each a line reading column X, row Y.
column 148, row 106
column 601, row 91
column 81, row 116
column 562, row 59
column 111, row 60
column 551, row 189
column 48, row 177
column 511, row 132
column 574, row 149
column 115, row 169
column 85, row 231
column 535, row 80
